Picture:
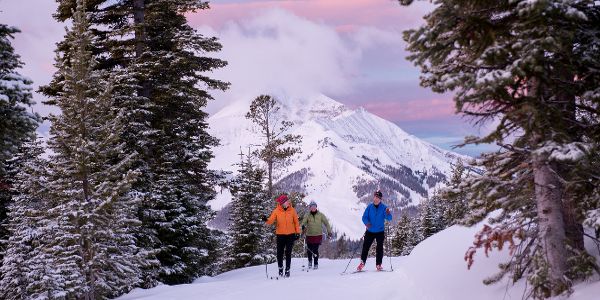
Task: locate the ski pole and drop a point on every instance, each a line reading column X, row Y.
column 353, row 254
column 389, row 246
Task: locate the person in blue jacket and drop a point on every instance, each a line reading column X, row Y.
column 374, row 219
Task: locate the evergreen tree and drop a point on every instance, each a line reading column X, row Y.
column 16, row 124
column 249, row 236
column 406, row 235
column 92, row 243
column 454, row 199
column 150, row 44
column 431, row 216
column 530, row 64
column 27, row 271
column 277, row 146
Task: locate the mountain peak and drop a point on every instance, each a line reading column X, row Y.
column 346, row 155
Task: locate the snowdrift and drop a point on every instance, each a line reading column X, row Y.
column 435, row 270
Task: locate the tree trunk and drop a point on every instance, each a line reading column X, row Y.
column 140, row 40
column 548, row 196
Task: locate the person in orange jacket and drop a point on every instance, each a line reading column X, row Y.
column 287, row 229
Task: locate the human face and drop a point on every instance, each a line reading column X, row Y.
column 286, row 204
column 313, row 208
column 376, row 200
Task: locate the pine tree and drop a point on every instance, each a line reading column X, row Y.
column 150, row 44
column 454, row 199
column 16, row 124
column 406, row 236
column 400, row 240
column 530, row 64
column 431, row 216
column 249, row 236
column 277, row 145
column 27, row 271
column 90, row 177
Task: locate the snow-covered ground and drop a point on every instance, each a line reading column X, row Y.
column 435, row 270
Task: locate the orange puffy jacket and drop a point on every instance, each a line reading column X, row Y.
column 286, row 220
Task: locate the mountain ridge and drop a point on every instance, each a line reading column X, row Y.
column 346, row 154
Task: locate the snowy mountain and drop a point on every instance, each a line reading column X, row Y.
column 346, row 154
column 428, row 273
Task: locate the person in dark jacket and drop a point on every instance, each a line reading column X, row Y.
column 312, row 226
column 374, row 219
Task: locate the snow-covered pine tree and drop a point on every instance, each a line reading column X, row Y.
column 529, row 64
column 176, row 207
column 453, row 198
column 92, row 243
column 401, row 238
column 431, row 216
column 16, row 124
column 27, row 271
column 150, row 43
column 249, row 236
column 277, row 146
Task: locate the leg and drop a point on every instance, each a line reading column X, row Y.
column 315, row 251
column 280, row 247
column 289, row 244
column 309, row 255
column 379, row 253
column 366, row 246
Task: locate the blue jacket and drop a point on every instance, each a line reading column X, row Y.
column 376, row 217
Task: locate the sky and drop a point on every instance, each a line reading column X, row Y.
column 349, row 50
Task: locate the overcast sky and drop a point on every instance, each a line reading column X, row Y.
column 349, row 50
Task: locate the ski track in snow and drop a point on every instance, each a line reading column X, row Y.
column 435, row 270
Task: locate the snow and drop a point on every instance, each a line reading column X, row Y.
column 435, row 270
column 334, row 140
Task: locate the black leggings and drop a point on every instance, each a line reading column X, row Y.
column 284, row 241
column 369, row 237
column 312, row 252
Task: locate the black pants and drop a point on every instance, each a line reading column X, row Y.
column 369, row 237
column 284, row 242
column 312, row 252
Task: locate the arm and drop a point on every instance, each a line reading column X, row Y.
column 388, row 216
column 271, row 218
column 326, row 224
column 296, row 222
column 304, row 220
column 365, row 217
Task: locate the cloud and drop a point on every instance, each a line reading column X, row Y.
column 36, row 41
column 281, row 53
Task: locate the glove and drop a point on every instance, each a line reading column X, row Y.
column 264, row 218
column 303, row 228
column 387, row 210
column 296, row 236
column 329, row 235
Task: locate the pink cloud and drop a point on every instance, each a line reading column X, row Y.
column 342, row 13
column 415, row 110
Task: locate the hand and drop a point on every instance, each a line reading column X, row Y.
column 387, row 210
column 329, row 235
column 296, row 236
column 264, row 218
column 303, row 228
column 368, row 225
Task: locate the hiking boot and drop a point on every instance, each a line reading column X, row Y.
column 280, row 271
column 310, row 264
column 379, row 268
column 360, row 266
column 315, row 267
column 287, row 273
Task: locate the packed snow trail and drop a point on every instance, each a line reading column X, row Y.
column 435, row 270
